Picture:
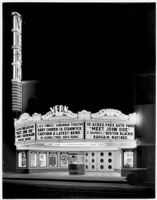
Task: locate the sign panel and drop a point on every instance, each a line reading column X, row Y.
column 25, row 133
column 113, row 131
column 64, row 130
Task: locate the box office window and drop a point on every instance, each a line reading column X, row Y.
column 53, row 161
column 128, row 159
column 33, row 159
column 64, row 159
column 22, row 160
column 76, row 158
column 72, row 159
column 80, row 159
column 42, row 159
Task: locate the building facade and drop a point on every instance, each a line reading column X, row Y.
column 107, row 141
column 101, row 142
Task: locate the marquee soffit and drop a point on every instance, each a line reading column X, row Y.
column 62, row 113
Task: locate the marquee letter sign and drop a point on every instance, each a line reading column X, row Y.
column 61, row 124
column 110, row 131
column 62, row 130
column 25, row 133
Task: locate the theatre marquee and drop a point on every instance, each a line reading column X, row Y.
column 60, row 124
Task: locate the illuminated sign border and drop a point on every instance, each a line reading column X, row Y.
column 61, row 114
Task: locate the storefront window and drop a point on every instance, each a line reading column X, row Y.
column 33, row 159
column 53, row 160
column 22, row 162
column 42, row 159
column 128, row 159
column 64, row 159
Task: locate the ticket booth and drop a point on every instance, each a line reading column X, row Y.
column 76, row 163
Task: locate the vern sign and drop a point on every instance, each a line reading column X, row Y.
column 17, row 63
column 59, row 110
column 17, row 46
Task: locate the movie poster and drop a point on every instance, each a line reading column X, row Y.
column 33, row 159
column 22, row 162
column 42, row 159
column 53, row 160
column 64, row 159
column 128, row 159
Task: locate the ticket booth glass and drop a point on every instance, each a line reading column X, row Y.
column 76, row 163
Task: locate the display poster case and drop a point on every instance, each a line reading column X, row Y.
column 42, row 159
column 128, row 159
column 22, row 160
column 53, row 161
column 64, row 159
column 33, row 159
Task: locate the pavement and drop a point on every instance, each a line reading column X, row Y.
column 54, row 185
column 88, row 176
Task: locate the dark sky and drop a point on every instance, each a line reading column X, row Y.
column 88, row 53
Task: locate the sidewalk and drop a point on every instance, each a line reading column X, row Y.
column 64, row 176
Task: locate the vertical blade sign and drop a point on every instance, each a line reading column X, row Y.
column 17, row 63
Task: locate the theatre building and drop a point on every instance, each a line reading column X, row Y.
column 107, row 141
column 97, row 142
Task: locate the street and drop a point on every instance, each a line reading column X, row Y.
column 73, row 189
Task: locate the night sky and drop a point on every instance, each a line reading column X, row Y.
column 85, row 55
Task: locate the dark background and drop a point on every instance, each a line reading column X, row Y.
column 85, row 55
